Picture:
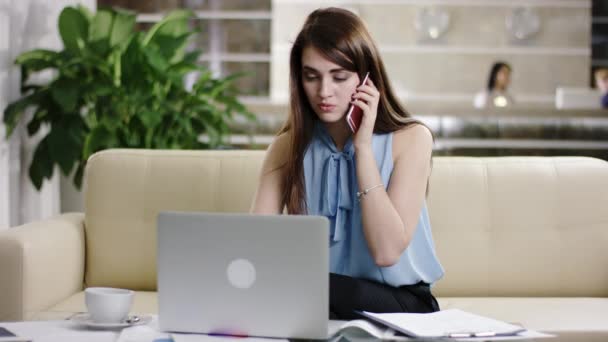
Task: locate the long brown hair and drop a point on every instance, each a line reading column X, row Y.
column 342, row 38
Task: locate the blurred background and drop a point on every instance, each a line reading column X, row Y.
column 489, row 77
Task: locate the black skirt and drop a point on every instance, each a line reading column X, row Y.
column 348, row 295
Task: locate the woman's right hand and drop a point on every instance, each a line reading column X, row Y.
column 366, row 98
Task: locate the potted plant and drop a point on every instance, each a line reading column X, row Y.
column 114, row 86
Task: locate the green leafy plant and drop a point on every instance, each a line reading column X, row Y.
column 114, row 86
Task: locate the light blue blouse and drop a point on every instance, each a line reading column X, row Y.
column 331, row 187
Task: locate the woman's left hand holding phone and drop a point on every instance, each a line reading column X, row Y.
column 366, row 98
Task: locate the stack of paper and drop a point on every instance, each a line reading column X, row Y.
column 451, row 323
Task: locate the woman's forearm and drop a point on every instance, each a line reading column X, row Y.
column 385, row 232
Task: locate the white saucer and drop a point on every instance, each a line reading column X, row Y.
column 85, row 319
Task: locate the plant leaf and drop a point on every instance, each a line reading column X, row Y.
column 42, row 165
column 192, row 56
column 122, row 30
column 85, row 12
column 99, row 138
column 133, row 63
column 65, row 92
column 219, row 87
column 39, row 59
column 172, row 47
column 13, row 111
column 62, row 149
column 180, row 69
column 178, row 16
column 74, row 28
column 30, row 88
column 34, row 125
column 99, row 47
column 151, row 119
column 79, row 174
column 156, row 59
column 117, row 61
column 101, row 25
column 102, row 90
column 36, row 60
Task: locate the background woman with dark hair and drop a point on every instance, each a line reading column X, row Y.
column 370, row 184
column 496, row 93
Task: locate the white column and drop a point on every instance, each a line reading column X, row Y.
column 5, row 191
column 215, row 42
column 4, row 184
column 31, row 24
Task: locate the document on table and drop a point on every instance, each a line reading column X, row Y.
column 210, row 338
column 452, row 323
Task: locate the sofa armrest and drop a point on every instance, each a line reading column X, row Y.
column 41, row 263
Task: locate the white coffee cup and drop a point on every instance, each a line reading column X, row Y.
column 108, row 305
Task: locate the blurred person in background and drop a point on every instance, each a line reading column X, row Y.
column 601, row 83
column 496, row 93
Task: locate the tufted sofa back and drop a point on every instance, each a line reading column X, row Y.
column 509, row 226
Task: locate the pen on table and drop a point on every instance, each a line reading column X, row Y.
column 483, row 334
column 228, row 333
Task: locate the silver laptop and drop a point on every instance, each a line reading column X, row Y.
column 241, row 274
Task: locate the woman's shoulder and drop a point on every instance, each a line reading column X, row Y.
column 414, row 138
column 415, row 132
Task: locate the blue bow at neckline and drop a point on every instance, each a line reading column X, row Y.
column 338, row 173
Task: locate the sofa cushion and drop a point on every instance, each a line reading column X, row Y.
column 520, row 226
column 126, row 189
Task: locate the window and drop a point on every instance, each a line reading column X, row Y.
column 234, row 35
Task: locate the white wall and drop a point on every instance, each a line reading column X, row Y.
column 456, row 66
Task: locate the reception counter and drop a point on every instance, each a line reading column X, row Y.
column 463, row 130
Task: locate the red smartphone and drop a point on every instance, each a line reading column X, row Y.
column 355, row 114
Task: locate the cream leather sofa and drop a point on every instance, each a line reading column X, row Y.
column 522, row 239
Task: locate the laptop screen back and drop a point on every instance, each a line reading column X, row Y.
column 243, row 274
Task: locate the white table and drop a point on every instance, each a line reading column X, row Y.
column 67, row 331
column 55, row 331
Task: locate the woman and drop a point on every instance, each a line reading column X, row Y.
column 371, row 185
column 496, row 93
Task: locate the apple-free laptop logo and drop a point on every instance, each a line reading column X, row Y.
column 241, row 273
